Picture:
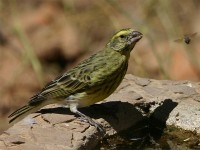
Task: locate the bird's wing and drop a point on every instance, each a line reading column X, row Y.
column 178, row 40
column 61, row 87
column 76, row 80
column 190, row 35
column 91, row 72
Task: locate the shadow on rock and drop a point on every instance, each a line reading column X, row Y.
column 56, row 110
column 148, row 128
column 130, row 123
column 157, row 120
column 119, row 115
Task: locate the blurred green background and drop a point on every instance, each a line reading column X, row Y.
column 40, row 39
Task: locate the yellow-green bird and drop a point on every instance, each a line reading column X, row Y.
column 89, row 82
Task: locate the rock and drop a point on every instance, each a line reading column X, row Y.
column 174, row 103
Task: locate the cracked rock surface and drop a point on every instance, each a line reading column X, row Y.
column 176, row 103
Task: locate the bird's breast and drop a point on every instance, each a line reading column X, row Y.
column 106, row 88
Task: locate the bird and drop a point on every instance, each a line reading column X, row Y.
column 187, row 38
column 91, row 81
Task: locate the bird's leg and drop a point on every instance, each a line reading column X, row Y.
column 73, row 108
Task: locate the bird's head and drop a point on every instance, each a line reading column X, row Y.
column 124, row 40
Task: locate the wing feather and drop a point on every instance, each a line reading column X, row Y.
column 80, row 78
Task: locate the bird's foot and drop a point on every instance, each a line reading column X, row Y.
column 98, row 126
column 85, row 118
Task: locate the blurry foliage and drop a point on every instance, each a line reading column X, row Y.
column 40, row 39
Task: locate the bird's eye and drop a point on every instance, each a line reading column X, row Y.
column 122, row 36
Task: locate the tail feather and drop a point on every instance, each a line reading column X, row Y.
column 20, row 112
column 35, row 103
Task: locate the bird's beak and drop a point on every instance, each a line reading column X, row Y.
column 136, row 36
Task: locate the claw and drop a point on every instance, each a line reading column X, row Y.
column 98, row 126
column 85, row 118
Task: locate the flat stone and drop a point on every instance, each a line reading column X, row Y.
column 186, row 116
column 182, row 89
column 142, row 81
column 174, row 103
